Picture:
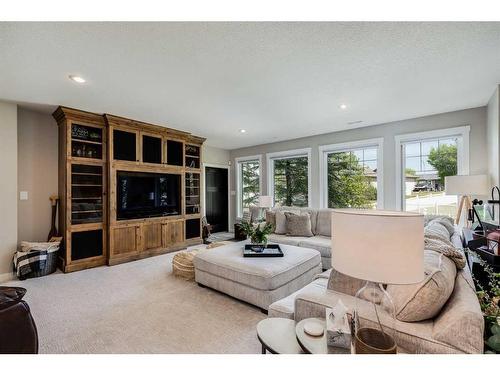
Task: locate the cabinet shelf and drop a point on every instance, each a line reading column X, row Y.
column 84, row 141
column 91, row 185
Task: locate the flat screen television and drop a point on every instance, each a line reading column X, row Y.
column 142, row 195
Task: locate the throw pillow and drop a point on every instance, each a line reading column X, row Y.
column 447, row 222
column 280, row 223
column 298, row 225
column 247, row 217
column 437, row 230
column 280, row 227
column 271, row 218
column 417, row 302
column 343, row 283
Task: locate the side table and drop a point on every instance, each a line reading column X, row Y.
column 277, row 336
column 316, row 345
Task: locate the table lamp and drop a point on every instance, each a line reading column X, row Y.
column 265, row 201
column 380, row 247
column 466, row 186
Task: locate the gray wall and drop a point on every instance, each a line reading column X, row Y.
column 213, row 155
column 475, row 117
column 37, row 172
column 493, row 137
column 8, row 187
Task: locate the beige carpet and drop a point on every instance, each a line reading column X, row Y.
column 137, row 307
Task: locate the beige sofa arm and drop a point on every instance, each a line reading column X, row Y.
column 461, row 323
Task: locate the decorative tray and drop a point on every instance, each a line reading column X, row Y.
column 259, row 251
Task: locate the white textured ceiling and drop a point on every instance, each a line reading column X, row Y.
column 276, row 80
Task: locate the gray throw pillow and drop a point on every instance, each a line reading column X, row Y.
column 271, row 218
column 343, row 283
column 298, row 225
column 424, row 300
column 280, row 227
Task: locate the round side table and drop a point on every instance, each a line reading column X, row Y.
column 277, row 336
column 316, row 345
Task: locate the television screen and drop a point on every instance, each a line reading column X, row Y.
column 142, row 195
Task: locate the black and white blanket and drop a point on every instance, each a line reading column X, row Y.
column 32, row 257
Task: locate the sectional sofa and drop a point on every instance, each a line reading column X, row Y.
column 440, row 315
column 321, row 223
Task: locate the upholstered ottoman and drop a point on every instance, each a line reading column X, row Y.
column 258, row 281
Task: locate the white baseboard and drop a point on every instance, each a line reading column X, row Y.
column 4, row 277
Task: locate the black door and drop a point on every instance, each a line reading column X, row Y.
column 216, row 198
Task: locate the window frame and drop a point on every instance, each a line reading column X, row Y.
column 239, row 192
column 326, row 150
column 289, row 154
column 461, row 132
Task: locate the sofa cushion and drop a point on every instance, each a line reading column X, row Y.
column 324, row 222
column 286, row 240
column 298, row 225
column 320, row 243
column 424, row 300
column 260, row 273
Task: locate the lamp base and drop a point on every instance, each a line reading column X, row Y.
column 373, row 341
column 379, row 339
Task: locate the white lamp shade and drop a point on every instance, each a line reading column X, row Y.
column 467, row 185
column 265, row 201
column 380, row 246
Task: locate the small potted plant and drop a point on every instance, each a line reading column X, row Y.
column 257, row 232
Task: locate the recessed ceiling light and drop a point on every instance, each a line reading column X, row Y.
column 355, row 122
column 343, row 106
column 243, row 131
column 77, row 79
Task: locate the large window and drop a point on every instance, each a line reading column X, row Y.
column 248, row 182
column 425, row 160
column 289, row 177
column 351, row 174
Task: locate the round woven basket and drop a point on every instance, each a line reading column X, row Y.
column 182, row 264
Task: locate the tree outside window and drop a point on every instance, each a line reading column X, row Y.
column 250, row 184
column 428, row 162
column 291, row 183
column 352, row 178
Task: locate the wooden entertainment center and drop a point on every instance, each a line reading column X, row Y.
column 102, row 159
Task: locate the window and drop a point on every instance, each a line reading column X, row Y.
column 425, row 159
column 248, row 182
column 351, row 174
column 289, row 177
